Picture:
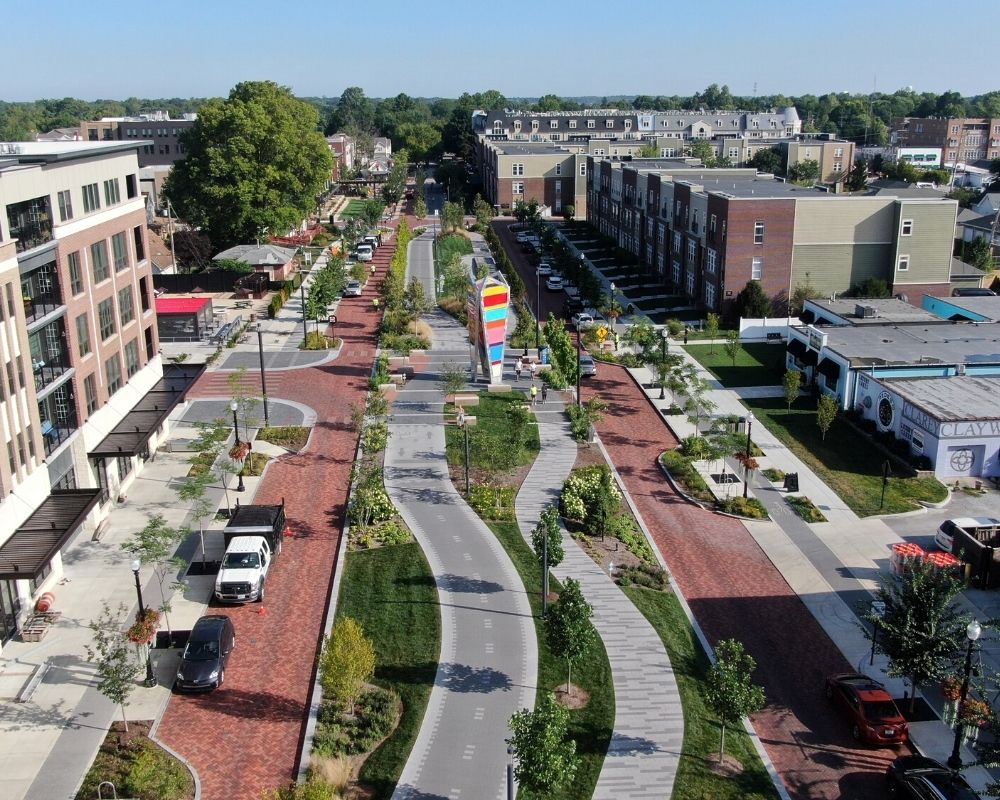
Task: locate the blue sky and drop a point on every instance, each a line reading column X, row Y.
column 182, row 48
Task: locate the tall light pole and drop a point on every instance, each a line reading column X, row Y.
column 463, row 424
column 664, row 349
column 510, row 773
column 234, row 406
column 305, row 330
column 139, row 616
column 746, row 483
column 972, row 632
column 263, row 376
column 538, row 310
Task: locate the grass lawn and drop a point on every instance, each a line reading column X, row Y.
column 451, row 245
column 491, row 422
column 390, row 591
column 844, row 461
column 354, row 208
column 590, row 726
column 695, row 781
column 756, row 364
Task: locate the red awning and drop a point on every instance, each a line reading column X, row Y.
column 181, row 305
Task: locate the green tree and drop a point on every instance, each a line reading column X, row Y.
column 698, row 404
column 702, row 150
column 752, row 303
column 395, row 184
column 768, row 160
column 255, row 162
column 649, row 150
column 420, row 207
column 979, row 253
column 232, row 265
column 420, row 139
column 548, row 529
column 545, row 757
column 871, row 287
column 826, row 413
column 484, row 211
column 805, row 172
column 804, row 291
column 194, row 490
column 922, row 629
column 791, row 383
column 346, row 663
column 453, row 377
column 452, row 217
column 567, row 627
column 732, row 345
column 730, row 691
column 372, row 211
column 354, row 114
column 415, row 301
column 113, row 654
column 711, row 330
column 569, row 212
column 155, row 546
column 857, row 180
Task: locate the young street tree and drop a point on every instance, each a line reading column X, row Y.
column 545, row 758
column 154, row 546
column 731, row 692
column 255, row 161
column 791, row 384
column 546, row 540
column 732, row 345
column 346, row 663
column 826, row 413
column 752, row 303
column 711, row 330
column 567, row 627
column 922, row 630
column 113, row 654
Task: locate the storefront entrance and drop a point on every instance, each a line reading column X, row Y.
column 10, row 607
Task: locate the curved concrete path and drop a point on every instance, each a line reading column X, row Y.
column 488, row 663
column 648, row 733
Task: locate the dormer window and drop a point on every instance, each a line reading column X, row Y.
column 553, row 123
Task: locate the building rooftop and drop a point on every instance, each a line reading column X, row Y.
column 43, row 152
column 953, row 399
column 512, row 148
column 257, row 254
column 901, row 345
column 988, row 307
column 886, row 310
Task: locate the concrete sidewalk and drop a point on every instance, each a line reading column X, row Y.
column 835, row 566
column 648, row 733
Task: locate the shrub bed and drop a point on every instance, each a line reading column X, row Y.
column 374, row 717
column 492, row 502
column 773, row 475
column 805, row 508
column 291, row 437
column 744, row 507
column 682, row 471
column 646, row 575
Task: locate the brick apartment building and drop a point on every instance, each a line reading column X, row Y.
column 706, row 232
column 161, row 136
column 961, row 139
column 82, row 390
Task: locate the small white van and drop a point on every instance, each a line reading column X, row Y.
column 364, row 252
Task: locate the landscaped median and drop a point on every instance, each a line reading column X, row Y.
column 688, row 480
column 756, row 364
column 843, row 459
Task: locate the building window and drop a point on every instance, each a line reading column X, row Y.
column 758, row 232
column 132, row 358
column 517, row 170
column 710, row 261
column 112, row 192
column 65, row 205
column 904, row 263
column 82, row 335
column 710, row 295
column 91, row 198
column 75, row 275
column 120, row 251
column 553, row 124
column 906, row 227
column 583, row 170
column 756, row 268
column 126, row 306
column 140, row 248
column 692, row 251
column 99, row 260
column 113, row 372
column 106, row 316
column 734, row 154
column 838, row 152
column 517, row 187
column 838, row 166
column 558, row 169
column 677, row 242
column 131, row 187
column 90, row 392
column 572, row 123
column 591, row 123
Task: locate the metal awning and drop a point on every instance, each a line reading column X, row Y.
column 807, row 316
column 796, row 347
column 809, row 358
column 25, row 554
column 831, row 369
column 129, row 436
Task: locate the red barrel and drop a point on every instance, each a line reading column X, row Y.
column 45, row 602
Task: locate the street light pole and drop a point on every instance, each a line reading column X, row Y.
column 664, row 346
column 463, row 424
column 139, row 615
column 878, row 609
column 579, row 338
column 263, row 376
column 545, row 572
column 972, row 633
column 233, row 406
column 746, row 482
column 305, row 331
column 538, row 310
column 510, row 773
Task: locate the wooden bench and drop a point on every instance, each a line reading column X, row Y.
column 468, row 399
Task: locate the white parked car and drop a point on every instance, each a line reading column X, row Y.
column 584, row 321
column 364, row 252
column 554, row 284
column 544, row 269
column 352, row 289
column 945, row 536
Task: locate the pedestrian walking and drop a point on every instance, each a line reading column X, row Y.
column 373, row 270
column 517, row 370
column 534, row 394
column 532, row 367
column 545, row 392
column 375, row 303
column 686, row 329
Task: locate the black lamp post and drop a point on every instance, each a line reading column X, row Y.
column 579, row 338
column 878, row 609
column 746, row 482
column 463, row 424
column 263, row 376
column 972, row 632
column 538, row 309
column 510, row 773
column 139, row 615
column 305, row 330
column 664, row 349
column 233, row 406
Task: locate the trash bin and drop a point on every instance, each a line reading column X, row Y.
column 792, row 482
column 543, row 354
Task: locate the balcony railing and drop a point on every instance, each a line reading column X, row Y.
column 31, row 235
column 38, row 307
column 47, row 372
column 54, row 433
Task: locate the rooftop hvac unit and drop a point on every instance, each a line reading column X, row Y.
column 865, row 312
column 960, row 369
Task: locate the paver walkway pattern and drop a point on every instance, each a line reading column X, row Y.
column 735, row 591
column 247, row 735
column 648, row 733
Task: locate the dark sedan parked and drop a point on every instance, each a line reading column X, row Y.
column 870, row 710
column 203, row 662
column 921, row 778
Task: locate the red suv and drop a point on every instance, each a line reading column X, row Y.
column 872, row 713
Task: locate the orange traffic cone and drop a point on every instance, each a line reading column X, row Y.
column 261, row 610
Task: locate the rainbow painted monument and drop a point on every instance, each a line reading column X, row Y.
column 489, row 307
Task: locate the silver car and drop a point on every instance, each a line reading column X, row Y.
column 352, row 289
column 588, row 367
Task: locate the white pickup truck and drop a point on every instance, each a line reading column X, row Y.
column 243, row 572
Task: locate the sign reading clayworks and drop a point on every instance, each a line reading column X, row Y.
column 951, row 430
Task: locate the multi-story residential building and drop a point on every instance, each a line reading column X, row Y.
column 707, row 232
column 342, row 147
column 961, row 139
column 161, row 134
column 834, row 156
column 82, row 391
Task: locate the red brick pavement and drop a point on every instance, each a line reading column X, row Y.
column 247, row 735
column 735, row 592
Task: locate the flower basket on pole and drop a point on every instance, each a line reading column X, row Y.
column 143, row 630
column 240, row 451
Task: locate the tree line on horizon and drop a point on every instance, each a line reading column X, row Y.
column 426, row 127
